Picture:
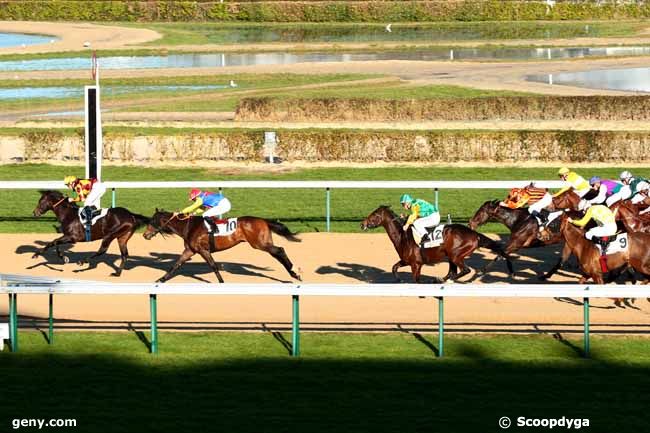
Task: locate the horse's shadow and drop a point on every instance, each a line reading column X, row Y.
column 367, row 274
column 160, row 261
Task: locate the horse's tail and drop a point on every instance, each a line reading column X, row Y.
column 495, row 247
column 282, row 230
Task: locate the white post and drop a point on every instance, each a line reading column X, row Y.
column 550, row 79
column 451, row 54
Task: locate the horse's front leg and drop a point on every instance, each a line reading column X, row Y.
column 416, row 269
column 187, row 254
column 65, row 239
column 215, row 267
column 566, row 253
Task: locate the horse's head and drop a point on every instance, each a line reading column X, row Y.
column 49, row 201
column 483, row 214
column 568, row 200
column 378, row 217
column 159, row 223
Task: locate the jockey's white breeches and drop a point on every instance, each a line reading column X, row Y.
column 623, row 194
column 221, row 208
column 420, row 225
column 582, row 192
column 600, row 231
column 95, row 195
column 543, row 203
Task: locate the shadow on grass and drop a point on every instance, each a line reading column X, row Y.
column 468, row 393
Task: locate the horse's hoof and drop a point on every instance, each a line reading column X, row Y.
column 115, row 274
column 65, row 259
column 35, row 255
column 80, row 262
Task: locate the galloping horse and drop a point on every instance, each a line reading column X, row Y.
column 637, row 255
column 256, row 231
column 458, row 243
column 628, row 214
column 523, row 227
column 118, row 224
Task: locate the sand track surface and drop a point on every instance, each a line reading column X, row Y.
column 320, row 257
column 72, row 36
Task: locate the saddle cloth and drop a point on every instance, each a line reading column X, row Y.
column 619, row 245
column 97, row 215
column 226, row 227
column 435, row 236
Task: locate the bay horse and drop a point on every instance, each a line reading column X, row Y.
column 458, row 243
column 628, row 214
column 256, row 231
column 637, row 255
column 524, row 228
column 118, row 224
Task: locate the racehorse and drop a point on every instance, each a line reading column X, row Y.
column 637, row 255
column 458, row 243
column 628, row 214
column 523, row 227
column 118, row 224
column 256, row 231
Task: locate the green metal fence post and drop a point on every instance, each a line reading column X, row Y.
column 586, row 319
column 13, row 319
column 154, row 323
column 327, row 209
column 441, row 326
column 50, row 334
column 113, row 197
column 295, row 327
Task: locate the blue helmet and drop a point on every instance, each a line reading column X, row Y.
column 594, row 180
column 405, row 198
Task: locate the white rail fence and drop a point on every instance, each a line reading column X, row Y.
column 13, row 285
column 326, row 185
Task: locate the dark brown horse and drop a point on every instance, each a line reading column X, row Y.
column 458, row 243
column 255, row 231
column 637, row 255
column 118, row 224
column 524, row 228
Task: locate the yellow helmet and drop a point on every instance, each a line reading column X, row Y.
column 563, row 171
column 69, row 179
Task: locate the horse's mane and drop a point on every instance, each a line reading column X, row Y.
column 57, row 194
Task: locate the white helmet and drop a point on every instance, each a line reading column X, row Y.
column 626, row 175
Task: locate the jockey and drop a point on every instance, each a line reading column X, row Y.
column 423, row 215
column 605, row 187
column 632, row 188
column 605, row 220
column 574, row 181
column 215, row 204
column 87, row 190
column 537, row 199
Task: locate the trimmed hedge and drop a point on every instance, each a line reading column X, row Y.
column 317, row 11
column 449, row 109
column 341, row 146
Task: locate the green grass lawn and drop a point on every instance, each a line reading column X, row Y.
column 246, row 382
column 301, row 210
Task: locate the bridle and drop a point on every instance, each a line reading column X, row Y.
column 162, row 226
column 59, row 202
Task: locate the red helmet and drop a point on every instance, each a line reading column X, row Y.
column 194, row 193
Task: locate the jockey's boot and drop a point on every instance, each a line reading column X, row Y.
column 213, row 225
column 87, row 212
column 424, row 240
column 604, row 242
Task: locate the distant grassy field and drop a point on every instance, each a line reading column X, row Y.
column 238, row 33
column 344, row 90
column 168, row 97
column 246, row 382
column 302, row 210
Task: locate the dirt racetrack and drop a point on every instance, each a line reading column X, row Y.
column 321, row 257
